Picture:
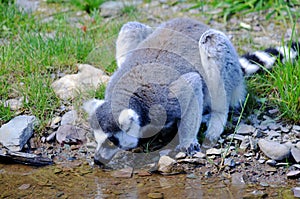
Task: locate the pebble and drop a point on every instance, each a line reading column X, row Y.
column 69, row 117
column 263, row 184
column 24, row 186
column 245, row 143
column 274, row 150
column 271, row 163
column 244, row 129
column 293, row 174
column 296, row 191
column 180, row 155
column 123, row 173
column 155, row 195
column 235, row 137
column 165, row 163
column 15, row 134
column 13, row 104
column 237, row 179
column 296, row 127
column 296, row 154
column 199, row 155
column 69, row 134
column 213, row 151
column 55, row 122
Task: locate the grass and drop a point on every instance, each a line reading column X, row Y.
column 33, row 52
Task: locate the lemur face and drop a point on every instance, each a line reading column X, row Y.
column 112, row 135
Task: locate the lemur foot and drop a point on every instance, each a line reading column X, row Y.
column 190, row 150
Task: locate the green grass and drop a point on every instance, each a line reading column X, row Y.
column 33, row 52
column 278, row 9
column 280, row 88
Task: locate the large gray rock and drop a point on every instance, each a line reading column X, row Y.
column 88, row 77
column 69, row 134
column 165, row 164
column 69, row 117
column 15, row 134
column 274, row 150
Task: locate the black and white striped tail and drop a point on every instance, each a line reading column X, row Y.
column 253, row 62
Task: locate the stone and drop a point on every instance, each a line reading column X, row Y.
column 271, row 163
column 87, row 78
column 24, row 186
column 235, row 137
column 213, row 151
column 123, row 173
column 237, row 179
column 69, row 134
column 296, row 191
column 296, row 127
column 55, row 122
column 244, row 129
column 69, row 117
column 296, row 154
column 199, row 155
column 293, row 174
column 245, row 143
column 155, row 195
column 27, row 6
column 274, row 150
column 180, row 155
column 15, row 134
column 13, row 104
column 165, row 163
column 111, row 8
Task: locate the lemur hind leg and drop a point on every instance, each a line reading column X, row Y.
column 130, row 35
column 222, row 75
column 188, row 90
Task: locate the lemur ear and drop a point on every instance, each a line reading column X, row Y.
column 90, row 106
column 127, row 118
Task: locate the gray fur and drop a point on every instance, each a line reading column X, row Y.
column 183, row 67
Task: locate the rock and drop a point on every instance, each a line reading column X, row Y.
column 255, row 194
column 245, row 143
column 237, row 179
column 274, row 150
column 24, row 186
column 27, row 6
column 296, row 154
column 235, row 137
column 293, row 174
column 165, row 163
column 123, row 173
column 244, row 129
column 111, row 8
column 229, row 162
column 155, row 195
column 271, row 163
column 296, row 191
column 213, row 151
column 54, row 122
column 199, row 155
column 50, row 137
column 69, row 117
column 14, row 104
column 296, row 127
column 88, row 77
column 15, row 134
column 180, row 155
column 192, row 176
column 69, row 134
column 192, row 161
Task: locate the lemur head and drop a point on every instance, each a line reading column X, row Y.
column 112, row 134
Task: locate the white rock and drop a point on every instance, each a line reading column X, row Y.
column 180, row 155
column 244, row 129
column 70, row 134
column 296, row 191
column 69, row 117
column 274, row 150
column 15, row 134
column 296, row 154
column 199, row 155
column 213, row 151
column 88, row 78
column 165, row 163
column 292, row 174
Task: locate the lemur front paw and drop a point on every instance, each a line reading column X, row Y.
column 190, row 150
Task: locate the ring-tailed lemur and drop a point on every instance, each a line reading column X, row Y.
column 166, row 78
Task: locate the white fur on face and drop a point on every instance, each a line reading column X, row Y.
column 126, row 141
column 129, row 122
